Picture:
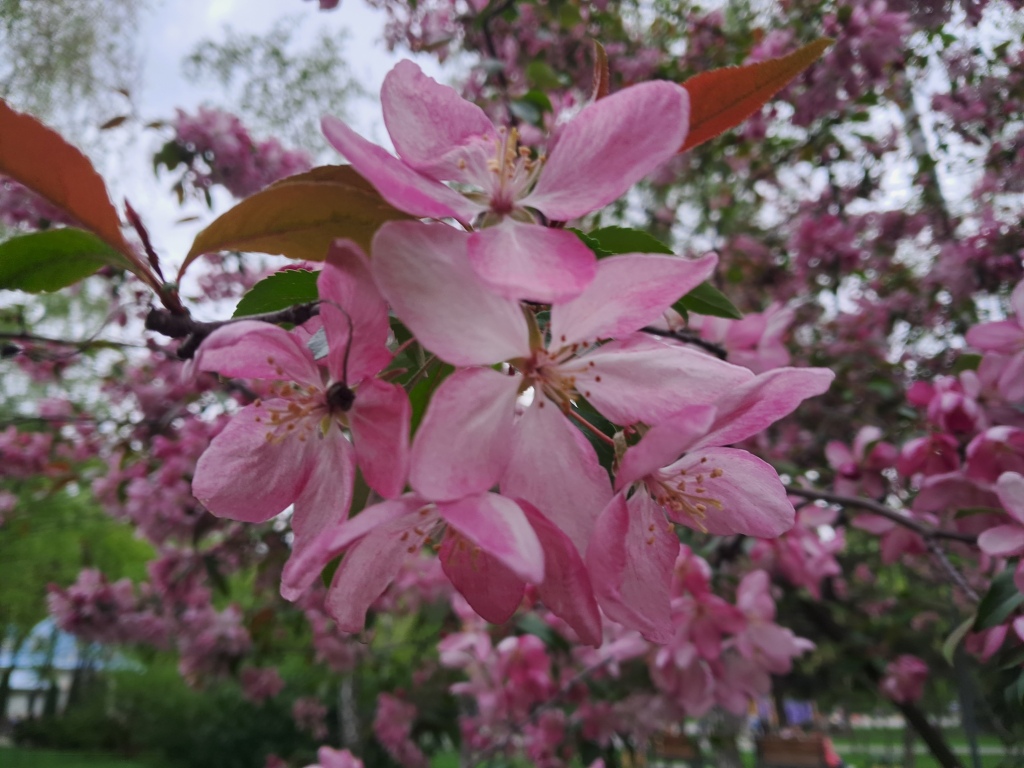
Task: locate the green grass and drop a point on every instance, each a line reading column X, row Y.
column 921, row 761
column 15, row 757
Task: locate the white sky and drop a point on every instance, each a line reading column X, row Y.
column 169, row 32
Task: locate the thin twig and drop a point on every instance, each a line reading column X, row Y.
column 178, row 326
column 484, row 20
column 958, row 578
column 689, row 337
column 925, row 531
column 81, row 345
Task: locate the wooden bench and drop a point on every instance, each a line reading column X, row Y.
column 673, row 748
column 793, row 752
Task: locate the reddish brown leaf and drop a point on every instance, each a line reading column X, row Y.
column 44, row 162
column 114, row 122
column 602, row 77
column 299, row 217
column 723, row 98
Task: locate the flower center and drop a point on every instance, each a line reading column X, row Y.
column 513, row 171
column 685, row 491
column 424, row 532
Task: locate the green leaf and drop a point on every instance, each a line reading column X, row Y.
column 1015, row 692
column 967, row 362
column 423, row 390
column 950, row 644
column 999, row 602
column 532, row 624
column 625, row 240
column 591, row 243
column 539, row 74
column 54, row 259
column 705, row 299
column 279, row 291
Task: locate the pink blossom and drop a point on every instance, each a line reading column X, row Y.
column 328, row 757
column 600, row 154
column 310, row 715
column 763, row 641
column 392, row 726
column 717, row 490
column 1005, row 339
column 1007, row 540
column 228, row 155
column 756, row 341
column 904, row 679
column 859, row 470
column 425, row 273
column 291, row 449
column 261, row 684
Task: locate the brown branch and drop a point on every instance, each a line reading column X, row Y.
column 81, row 345
column 689, row 337
column 926, row 532
column 177, row 326
column 870, row 675
column 955, row 576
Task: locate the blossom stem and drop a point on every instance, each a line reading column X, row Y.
column 597, row 432
column 925, row 531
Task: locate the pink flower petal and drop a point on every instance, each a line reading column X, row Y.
column 628, row 292
column 528, row 261
column 664, row 443
column 1004, row 336
column 746, row 496
column 379, row 420
column 424, row 273
column 499, row 527
column 327, row 495
column 1011, row 379
column 1002, row 541
column 747, row 409
column 250, row 349
column 365, row 572
column 430, row 123
column 642, row 379
column 397, row 183
column 350, row 300
column 1010, row 490
column 555, row 468
column 490, row 587
column 323, row 506
column 244, row 476
column 566, row 589
column 609, row 146
column 630, row 558
column 305, row 565
column 464, row 441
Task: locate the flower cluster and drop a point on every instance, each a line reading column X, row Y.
column 537, row 332
column 217, row 149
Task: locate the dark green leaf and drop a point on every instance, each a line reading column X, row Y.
column 705, row 299
column 171, row 155
column 279, row 291
column 531, row 624
column 54, row 259
column 591, row 243
column 423, row 390
column 950, row 644
column 625, row 240
column 539, row 74
column 967, row 362
column 999, row 602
